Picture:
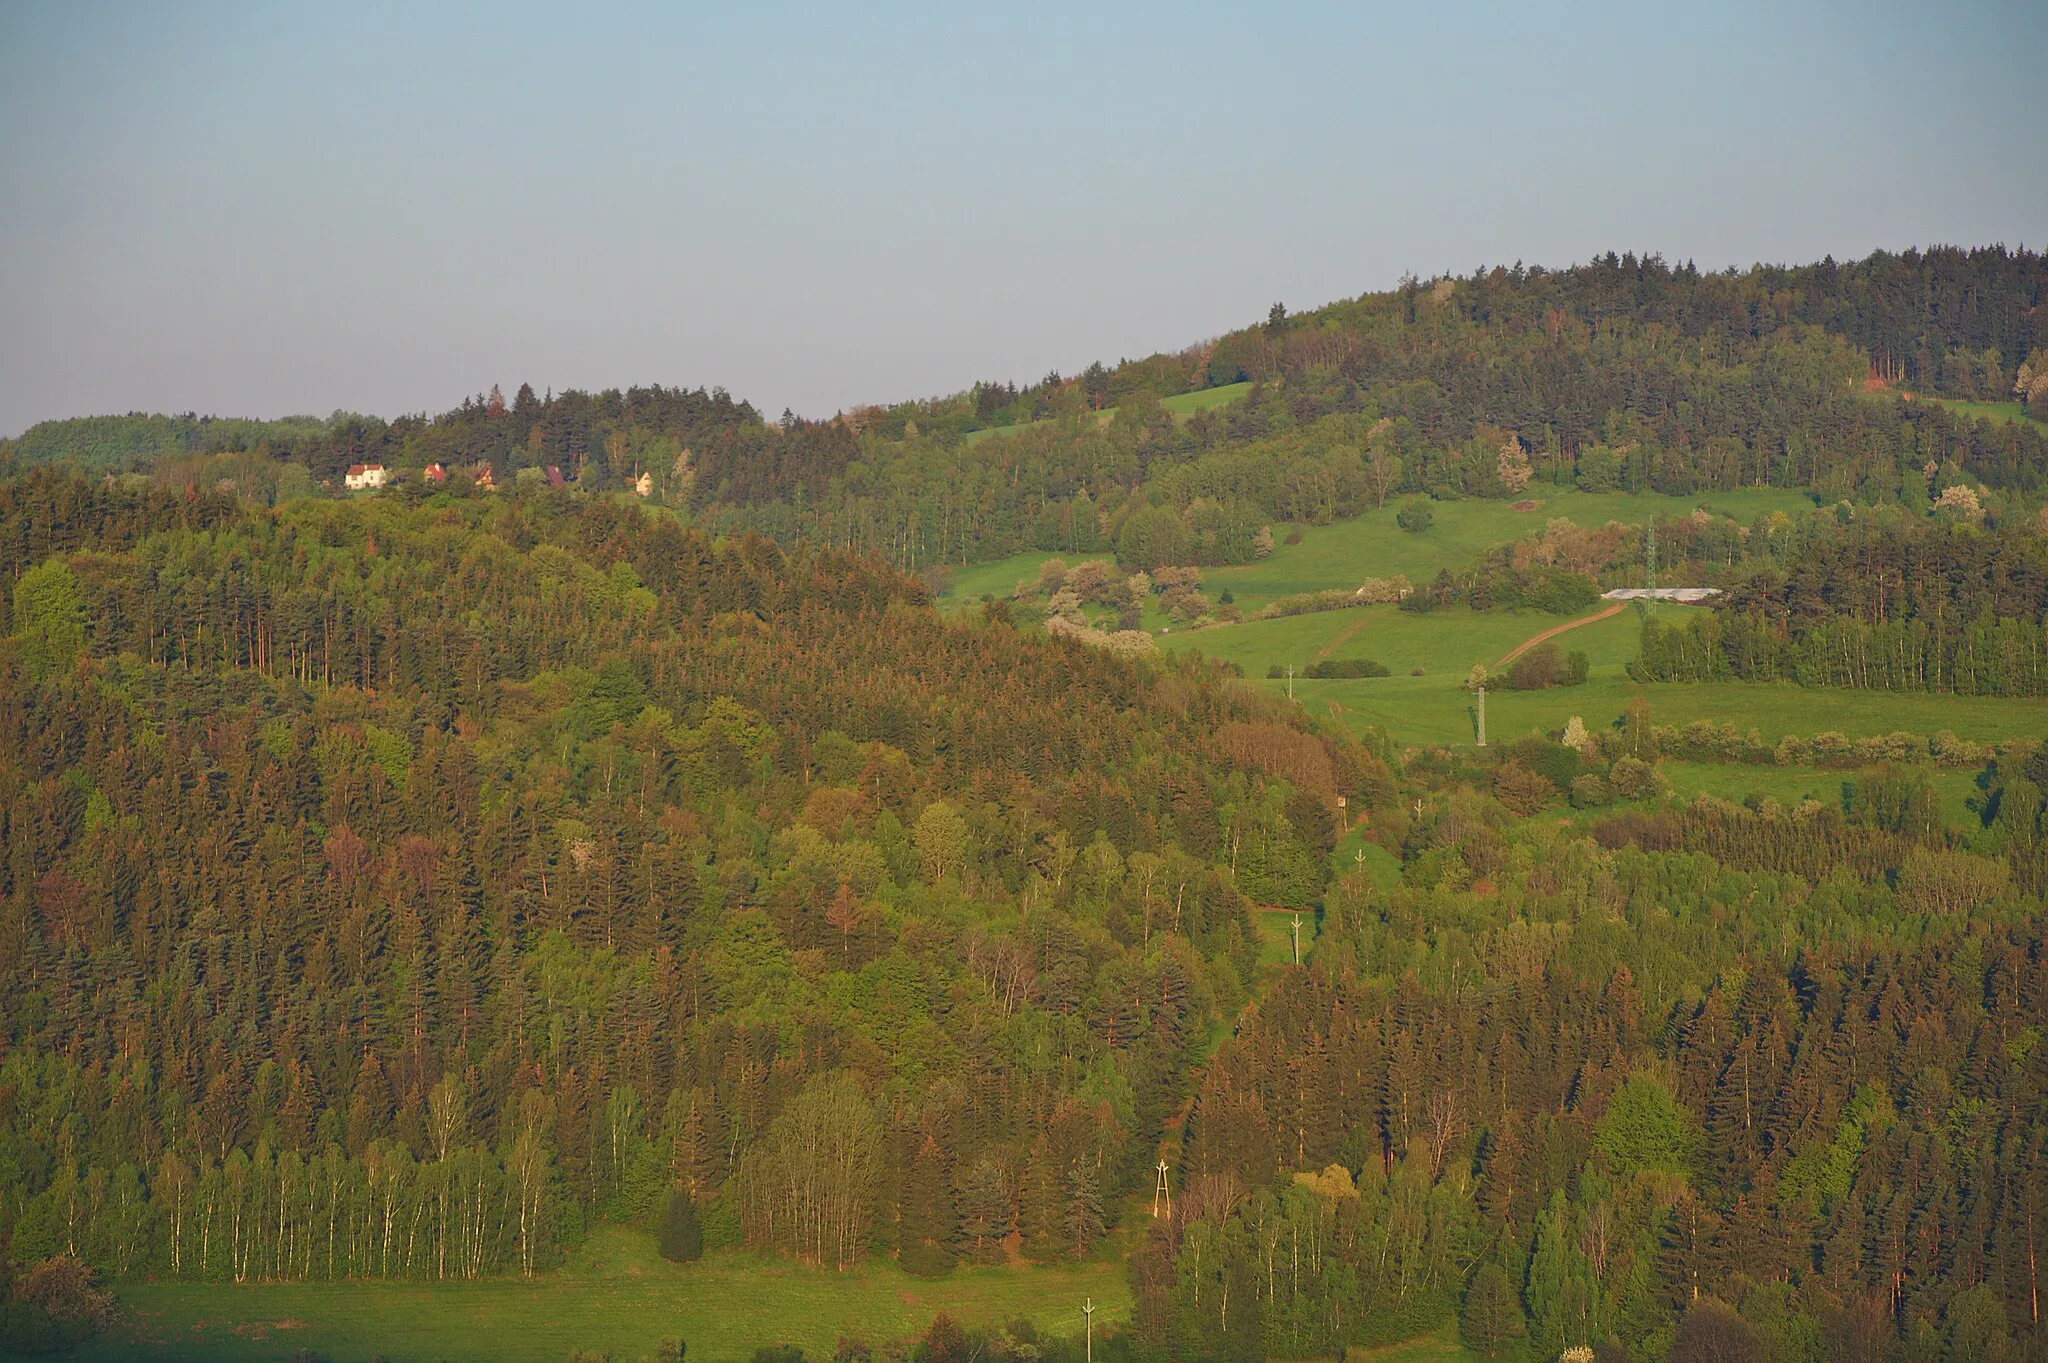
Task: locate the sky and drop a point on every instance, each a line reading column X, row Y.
column 271, row 209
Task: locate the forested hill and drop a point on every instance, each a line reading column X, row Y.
column 521, row 860
column 1623, row 373
column 399, row 889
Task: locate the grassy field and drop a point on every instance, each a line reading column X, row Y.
column 1000, row 577
column 1202, row 399
column 1790, row 785
column 1371, row 545
column 1348, row 552
column 2003, row 412
column 617, row 1296
column 1434, row 709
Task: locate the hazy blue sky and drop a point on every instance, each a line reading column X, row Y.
column 267, row 209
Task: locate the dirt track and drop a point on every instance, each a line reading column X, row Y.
column 1519, row 649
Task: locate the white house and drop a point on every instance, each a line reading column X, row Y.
column 364, row 475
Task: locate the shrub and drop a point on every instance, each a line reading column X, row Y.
column 1522, row 790
column 1536, row 670
column 1554, row 762
column 1346, row 667
column 1589, row 792
column 1632, row 777
column 1415, row 516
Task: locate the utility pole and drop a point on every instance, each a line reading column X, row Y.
column 1650, row 553
column 1297, row 939
column 1089, row 1311
column 1290, row 681
column 1161, row 1194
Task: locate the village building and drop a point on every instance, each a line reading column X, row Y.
column 434, row 473
column 360, row 476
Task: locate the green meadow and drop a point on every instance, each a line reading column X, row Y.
column 1344, row 554
column 617, row 1296
column 2002, row 412
column 1347, row 552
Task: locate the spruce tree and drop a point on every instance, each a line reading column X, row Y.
column 1491, row 1315
column 682, row 1237
column 927, row 1220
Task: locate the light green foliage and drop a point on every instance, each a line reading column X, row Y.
column 942, row 840
column 1563, row 1298
column 391, row 752
column 1977, row 1328
column 1825, row 1171
column 49, row 618
column 1646, row 1129
column 1788, row 1332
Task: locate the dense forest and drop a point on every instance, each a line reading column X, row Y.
column 394, row 891
column 397, row 890
column 401, row 886
column 1874, row 600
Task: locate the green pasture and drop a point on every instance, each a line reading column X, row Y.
column 617, row 1296
column 2004, row 413
column 1789, row 785
column 1443, row 643
column 1202, row 399
column 1346, row 553
column 1433, row 709
column 1000, row 577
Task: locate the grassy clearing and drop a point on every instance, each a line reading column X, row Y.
column 1202, row 399
column 1000, row 577
column 1371, row 545
column 1443, row 643
column 617, row 1296
column 1433, row 708
column 1790, row 785
column 2004, row 413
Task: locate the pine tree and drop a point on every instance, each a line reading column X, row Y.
column 927, row 1221
column 1084, row 1222
column 1041, row 1202
column 1491, row 1315
column 682, row 1235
